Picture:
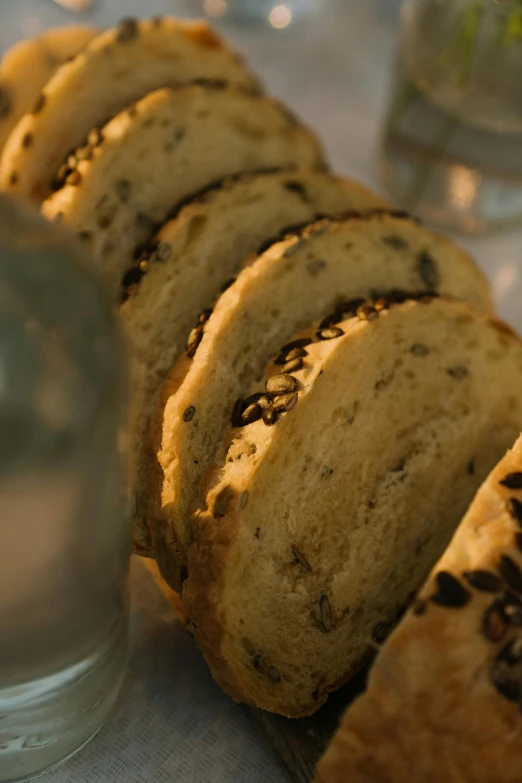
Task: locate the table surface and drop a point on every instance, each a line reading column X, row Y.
column 172, row 722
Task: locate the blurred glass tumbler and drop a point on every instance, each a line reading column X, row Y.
column 64, row 527
column 277, row 14
column 452, row 142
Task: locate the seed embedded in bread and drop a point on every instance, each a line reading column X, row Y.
column 482, row 580
column 512, row 480
column 511, row 572
column 266, row 285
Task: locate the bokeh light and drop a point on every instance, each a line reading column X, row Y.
column 280, row 16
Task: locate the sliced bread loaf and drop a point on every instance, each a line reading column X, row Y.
column 289, row 285
column 443, row 699
column 27, row 67
column 320, row 524
column 117, row 68
column 171, row 145
column 184, row 268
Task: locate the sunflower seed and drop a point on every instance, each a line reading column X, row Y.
column 259, row 664
column 513, row 613
column 325, row 612
column 189, row 414
column 418, row 349
column 314, row 267
column 297, row 187
column 274, row 674
column 260, row 398
column 293, row 365
column 251, row 414
column 85, row 153
column 511, row 653
column 301, row 342
column 296, row 353
column 330, row 320
column 494, row 622
column 381, row 304
column 127, row 30
column 367, row 312
column 484, row 581
column 450, row 592
column 428, row 271
column 380, row 632
column 285, row 403
column 123, row 190
column 222, row 501
column 95, row 137
column 281, row 384
column 504, row 681
column 300, row 558
column 458, row 372
column 512, row 480
column 204, row 314
column 514, row 507
column 163, row 252
column 397, row 243
column 511, row 573
column 269, row 416
column 329, row 334
column 350, row 306
column 74, row 178
column 193, row 341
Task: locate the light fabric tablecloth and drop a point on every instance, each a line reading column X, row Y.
column 172, row 722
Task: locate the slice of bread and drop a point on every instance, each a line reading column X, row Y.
column 27, row 67
column 116, row 69
column 172, row 144
column 291, row 284
column 443, row 699
column 319, row 527
column 185, row 267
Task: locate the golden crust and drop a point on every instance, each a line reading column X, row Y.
column 432, row 711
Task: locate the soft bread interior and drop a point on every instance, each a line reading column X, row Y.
column 397, row 423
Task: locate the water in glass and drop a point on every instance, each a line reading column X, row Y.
column 453, row 134
column 64, row 532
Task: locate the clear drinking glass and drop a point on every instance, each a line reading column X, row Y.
column 451, row 148
column 277, row 14
column 64, row 527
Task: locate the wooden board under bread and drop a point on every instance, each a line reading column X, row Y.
column 299, row 743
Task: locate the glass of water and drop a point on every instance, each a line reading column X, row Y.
column 453, row 135
column 64, row 529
